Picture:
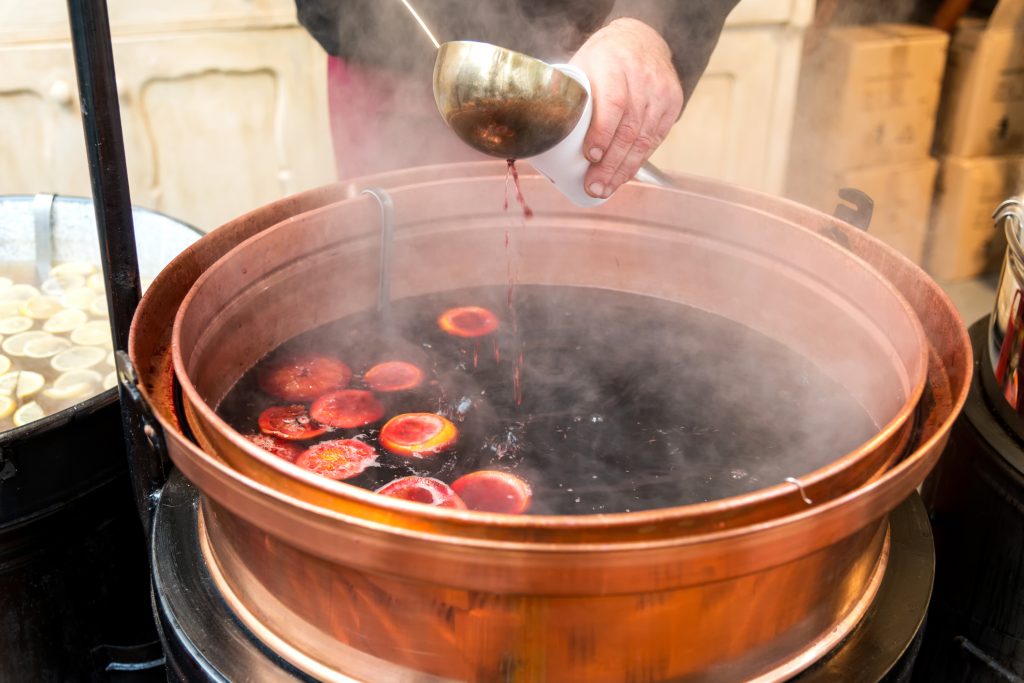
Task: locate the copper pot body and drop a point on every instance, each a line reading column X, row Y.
column 346, row 586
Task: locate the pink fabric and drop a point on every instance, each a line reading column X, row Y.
column 381, row 121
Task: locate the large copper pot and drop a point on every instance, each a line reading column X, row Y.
column 343, row 584
column 769, row 274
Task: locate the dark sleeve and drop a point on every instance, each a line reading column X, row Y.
column 320, row 18
column 690, row 27
column 381, row 32
column 374, row 31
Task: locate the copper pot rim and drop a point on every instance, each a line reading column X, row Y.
column 902, row 420
column 902, row 474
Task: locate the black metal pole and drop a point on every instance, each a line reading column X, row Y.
column 104, row 144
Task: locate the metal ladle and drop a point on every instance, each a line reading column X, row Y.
column 510, row 105
column 504, row 103
column 500, row 102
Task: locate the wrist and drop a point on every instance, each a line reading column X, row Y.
column 642, row 32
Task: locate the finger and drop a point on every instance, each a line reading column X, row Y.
column 659, row 118
column 598, row 179
column 673, row 98
column 610, row 103
column 642, row 151
column 668, row 119
column 643, row 146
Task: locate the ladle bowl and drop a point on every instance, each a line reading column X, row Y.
column 504, row 103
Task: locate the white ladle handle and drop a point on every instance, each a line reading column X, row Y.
column 566, row 166
column 652, row 175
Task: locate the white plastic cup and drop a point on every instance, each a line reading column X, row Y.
column 564, row 164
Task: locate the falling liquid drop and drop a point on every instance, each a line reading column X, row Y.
column 517, row 348
column 527, row 211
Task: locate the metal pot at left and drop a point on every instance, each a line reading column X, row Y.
column 73, row 580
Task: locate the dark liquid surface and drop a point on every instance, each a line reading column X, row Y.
column 628, row 402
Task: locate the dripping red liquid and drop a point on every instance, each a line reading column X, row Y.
column 527, row 211
column 517, row 384
column 513, row 174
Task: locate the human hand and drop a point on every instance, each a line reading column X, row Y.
column 637, row 98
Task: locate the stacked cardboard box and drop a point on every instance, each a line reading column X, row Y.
column 980, row 138
column 865, row 118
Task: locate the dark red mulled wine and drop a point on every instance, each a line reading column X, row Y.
column 628, row 402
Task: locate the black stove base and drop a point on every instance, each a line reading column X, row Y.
column 203, row 641
column 975, row 497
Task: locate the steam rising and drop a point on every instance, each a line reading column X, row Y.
column 651, row 405
column 384, row 116
column 630, row 403
column 866, row 125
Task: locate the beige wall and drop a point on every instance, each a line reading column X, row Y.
column 222, row 103
column 737, row 125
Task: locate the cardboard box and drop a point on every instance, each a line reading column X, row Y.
column 868, row 96
column 982, row 111
column 963, row 241
column 903, row 200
